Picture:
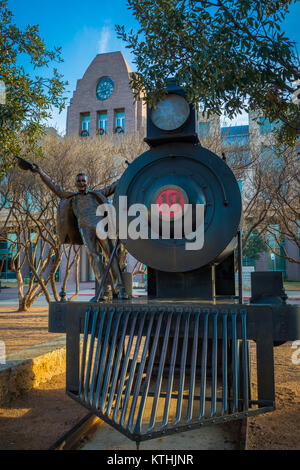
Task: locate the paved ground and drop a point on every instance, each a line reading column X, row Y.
column 9, row 295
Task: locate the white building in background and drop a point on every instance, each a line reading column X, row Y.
column 257, row 133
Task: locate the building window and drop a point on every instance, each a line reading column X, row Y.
column 235, row 135
column 102, row 123
column 7, row 250
column 85, row 125
column 266, row 126
column 204, row 129
column 119, row 121
column 273, row 157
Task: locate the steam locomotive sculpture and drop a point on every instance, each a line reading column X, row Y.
column 179, row 171
column 179, row 358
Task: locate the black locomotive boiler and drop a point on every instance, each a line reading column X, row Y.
column 178, row 170
column 177, row 359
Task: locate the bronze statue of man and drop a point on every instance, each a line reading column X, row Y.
column 77, row 222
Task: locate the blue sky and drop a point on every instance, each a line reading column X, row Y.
column 84, row 29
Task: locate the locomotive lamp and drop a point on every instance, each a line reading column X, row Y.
column 170, row 113
column 173, row 119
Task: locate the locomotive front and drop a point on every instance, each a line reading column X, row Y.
column 188, row 200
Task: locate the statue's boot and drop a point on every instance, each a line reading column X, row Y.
column 120, row 292
column 106, row 296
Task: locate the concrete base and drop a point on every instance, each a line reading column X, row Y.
column 28, row 368
column 225, row 436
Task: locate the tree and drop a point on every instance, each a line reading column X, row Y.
column 269, row 179
column 28, row 227
column 255, row 246
column 286, row 209
column 28, row 99
column 28, row 208
column 229, row 55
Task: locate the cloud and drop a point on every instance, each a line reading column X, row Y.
column 105, row 36
column 107, row 41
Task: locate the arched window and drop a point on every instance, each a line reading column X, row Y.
column 85, row 125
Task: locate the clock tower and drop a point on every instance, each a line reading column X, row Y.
column 103, row 102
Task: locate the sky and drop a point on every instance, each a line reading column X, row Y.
column 85, row 29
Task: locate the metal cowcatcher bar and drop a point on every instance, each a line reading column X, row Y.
column 157, row 371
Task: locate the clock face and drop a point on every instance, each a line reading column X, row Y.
column 170, row 113
column 104, row 88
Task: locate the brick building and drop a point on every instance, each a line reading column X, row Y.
column 103, row 100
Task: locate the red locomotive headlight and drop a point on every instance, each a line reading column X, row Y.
column 170, row 201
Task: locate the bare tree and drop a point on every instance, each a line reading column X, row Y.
column 30, row 226
column 285, row 205
column 269, row 176
column 28, row 209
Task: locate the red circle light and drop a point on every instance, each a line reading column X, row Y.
column 170, row 202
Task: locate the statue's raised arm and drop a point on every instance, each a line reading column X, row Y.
column 49, row 182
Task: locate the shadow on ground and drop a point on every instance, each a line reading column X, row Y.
column 37, row 419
